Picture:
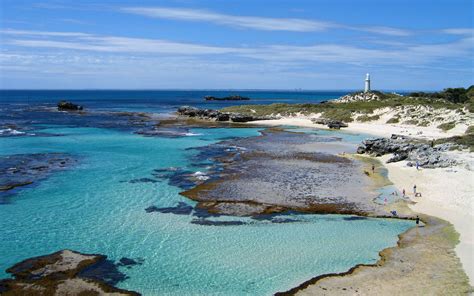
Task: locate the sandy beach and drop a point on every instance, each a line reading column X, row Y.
column 446, row 192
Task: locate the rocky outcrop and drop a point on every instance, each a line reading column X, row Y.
column 229, row 98
column 68, row 106
column 215, row 115
column 404, row 148
column 64, row 272
column 335, row 124
column 358, row 97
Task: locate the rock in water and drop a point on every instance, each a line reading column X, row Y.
column 68, row 106
column 61, row 273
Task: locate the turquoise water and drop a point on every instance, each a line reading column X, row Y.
column 89, row 209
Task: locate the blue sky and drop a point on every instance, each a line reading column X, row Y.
column 222, row 44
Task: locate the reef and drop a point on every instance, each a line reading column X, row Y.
column 19, row 170
column 65, row 272
column 280, row 171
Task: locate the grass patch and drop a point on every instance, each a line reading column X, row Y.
column 394, row 119
column 411, row 121
column 466, row 140
column 447, row 126
column 470, row 130
column 424, row 123
column 338, row 114
column 365, row 118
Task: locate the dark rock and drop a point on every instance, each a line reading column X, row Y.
column 398, row 157
column 216, row 223
column 181, row 209
column 403, row 148
column 222, row 117
column 143, row 180
column 215, row 115
column 241, row 118
column 335, row 124
column 124, row 261
column 68, row 106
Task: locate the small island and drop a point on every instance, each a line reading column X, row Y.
column 228, row 98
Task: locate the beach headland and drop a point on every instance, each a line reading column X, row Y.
column 436, row 258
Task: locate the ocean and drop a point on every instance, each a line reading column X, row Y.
column 95, row 206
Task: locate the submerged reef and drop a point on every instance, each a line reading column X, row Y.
column 20, row 170
column 66, row 272
column 280, row 171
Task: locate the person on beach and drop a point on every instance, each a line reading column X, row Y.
column 403, row 192
column 414, row 189
column 373, row 169
column 417, row 220
column 417, row 165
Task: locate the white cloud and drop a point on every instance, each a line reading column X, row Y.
column 259, row 23
column 384, row 30
column 43, row 33
column 334, row 53
column 459, row 31
column 253, row 22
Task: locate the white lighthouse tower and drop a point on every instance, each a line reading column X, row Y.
column 367, row 83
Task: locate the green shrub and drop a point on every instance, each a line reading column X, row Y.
column 470, row 130
column 394, row 119
column 365, row 118
column 466, row 140
column 338, row 114
column 411, row 121
column 447, row 126
column 424, row 123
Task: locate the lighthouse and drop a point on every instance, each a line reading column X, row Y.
column 367, row 83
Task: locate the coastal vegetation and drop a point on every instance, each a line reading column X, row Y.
column 447, row 126
column 445, row 109
column 466, row 140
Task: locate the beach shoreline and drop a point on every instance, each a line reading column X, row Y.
column 445, row 192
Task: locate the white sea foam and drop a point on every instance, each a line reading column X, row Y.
column 192, row 134
column 11, row 132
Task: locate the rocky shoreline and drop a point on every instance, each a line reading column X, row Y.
column 215, row 115
column 404, row 148
column 65, row 272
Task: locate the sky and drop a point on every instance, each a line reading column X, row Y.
column 230, row 44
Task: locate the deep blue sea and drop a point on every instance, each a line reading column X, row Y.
column 93, row 208
column 149, row 100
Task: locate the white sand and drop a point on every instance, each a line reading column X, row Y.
column 446, row 193
column 376, row 128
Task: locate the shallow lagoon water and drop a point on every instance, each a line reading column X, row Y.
column 92, row 208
